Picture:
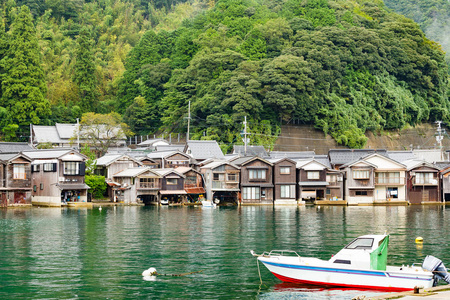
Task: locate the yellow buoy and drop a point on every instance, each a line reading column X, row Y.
column 419, row 240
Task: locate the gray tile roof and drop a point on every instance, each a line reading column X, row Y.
column 251, row 150
column 414, row 163
column 7, row 156
column 204, row 149
column 344, row 156
column 46, row 134
column 46, row 154
column 292, row 155
column 400, row 156
column 170, row 148
column 150, row 142
column 442, row 164
column 239, row 161
column 12, row 147
column 66, row 131
column 132, row 172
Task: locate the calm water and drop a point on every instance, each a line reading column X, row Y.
column 52, row 253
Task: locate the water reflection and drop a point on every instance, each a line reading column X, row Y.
column 92, row 253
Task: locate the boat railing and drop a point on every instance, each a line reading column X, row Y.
column 281, row 253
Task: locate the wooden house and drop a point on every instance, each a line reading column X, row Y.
column 340, row 157
column 284, row 180
column 136, row 185
column 221, row 181
column 201, row 150
column 312, row 180
column 172, row 186
column 423, row 182
column 256, row 180
column 375, row 179
column 193, row 184
column 110, row 164
column 15, row 179
column 58, row 177
column 170, row 159
column 444, row 175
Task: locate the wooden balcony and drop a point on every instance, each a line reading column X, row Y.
column 148, row 185
column 390, row 181
column 220, row 185
column 425, row 181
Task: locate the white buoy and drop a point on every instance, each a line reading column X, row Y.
column 149, row 272
column 100, row 208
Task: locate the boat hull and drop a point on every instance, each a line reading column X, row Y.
column 346, row 277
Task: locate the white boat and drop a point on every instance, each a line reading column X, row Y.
column 361, row 264
column 208, row 203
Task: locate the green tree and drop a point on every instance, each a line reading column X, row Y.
column 84, row 74
column 23, row 81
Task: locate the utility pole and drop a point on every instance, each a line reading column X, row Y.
column 245, row 136
column 189, row 121
column 439, row 137
column 78, row 134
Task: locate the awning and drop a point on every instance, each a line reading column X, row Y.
column 195, row 190
column 174, row 192
column 73, row 186
column 112, row 183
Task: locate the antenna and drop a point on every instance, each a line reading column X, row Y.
column 245, row 136
column 439, row 137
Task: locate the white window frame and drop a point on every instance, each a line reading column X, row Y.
column 19, row 171
column 361, row 174
column 285, row 170
column 171, row 181
column 287, row 191
column 71, row 168
column 257, row 174
column 48, row 167
column 313, row 175
column 251, row 193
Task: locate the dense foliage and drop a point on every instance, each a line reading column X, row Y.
column 97, row 185
column 344, row 66
column 433, row 16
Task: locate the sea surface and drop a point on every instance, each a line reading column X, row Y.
column 65, row 253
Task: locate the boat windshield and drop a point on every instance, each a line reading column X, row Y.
column 360, row 243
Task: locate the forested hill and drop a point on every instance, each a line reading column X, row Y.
column 344, row 66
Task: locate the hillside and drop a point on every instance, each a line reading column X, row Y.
column 345, row 67
column 307, row 138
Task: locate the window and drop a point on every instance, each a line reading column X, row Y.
column 313, row 174
column 34, row 188
column 257, row 174
column 49, row 167
column 361, row 193
column 285, row 170
column 190, row 180
column 251, row 193
column 71, row 168
column 287, row 191
column 146, row 182
column 232, row 177
column 218, row 177
column 425, row 178
column 360, row 243
column 331, row 178
column 19, row 171
column 172, row 181
column 392, row 192
column 387, row 177
column 41, row 186
column 35, row 168
column 361, row 174
column 263, row 193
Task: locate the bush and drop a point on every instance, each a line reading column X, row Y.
column 97, row 184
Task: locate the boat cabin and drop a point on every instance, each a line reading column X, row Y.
column 364, row 252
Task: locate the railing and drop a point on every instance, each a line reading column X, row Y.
column 425, row 181
column 333, row 183
column 224, row 185
column 148, row 185
column 389, row 180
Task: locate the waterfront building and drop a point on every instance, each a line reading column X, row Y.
column 15, row 179
column 340, row 157
column 136, row 185
column 444, row 175
column 256, row 180
column 221, row 181
column 423, row 182
column 284, row 180
column 312, row 180
column 375, row 179
column 170, row 159
column 14, row 147
column 58, row 177
column 193, row 184
column 172, row 186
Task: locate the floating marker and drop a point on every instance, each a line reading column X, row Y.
column 419, row 240
column 149, row 272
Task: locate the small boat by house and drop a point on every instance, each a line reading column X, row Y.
column 208, row 203
column 361, row 264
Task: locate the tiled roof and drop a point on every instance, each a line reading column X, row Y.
column 400, row 156
column 204, row 149
column 239, row 161
column 292, row 155
column 442, row 164
column 164, row 172
column 218, row 163
column 7, row 156
column 46, row 134
column 132, row 172
column 66, row 131
column 12, row 147
column 414, row 163
column 170, row 148
column 150, row 142
column 251, row 150
column 45, row 154
column 108, row 159
column 344, row 156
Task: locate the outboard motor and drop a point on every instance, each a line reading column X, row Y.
column 436, row 266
